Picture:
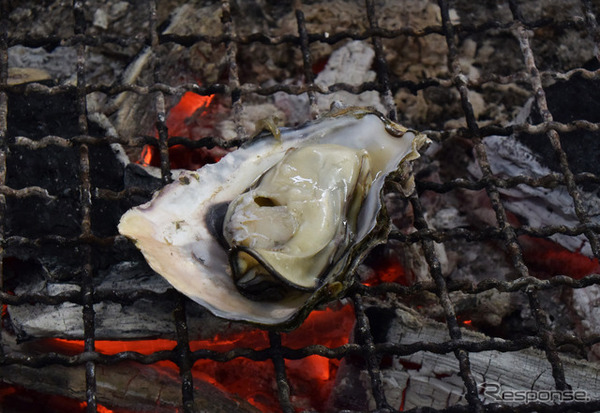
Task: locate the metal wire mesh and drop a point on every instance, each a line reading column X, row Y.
column 386, row 84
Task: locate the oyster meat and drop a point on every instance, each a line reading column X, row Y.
column 288, row 228
column 279, row 225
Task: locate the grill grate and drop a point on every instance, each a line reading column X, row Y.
column 546, row 338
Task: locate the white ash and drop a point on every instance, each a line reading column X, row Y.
column 448, row 218
column 59, row 63
column 437, row 383
column 460, row 260
column 427, row 379
column 144, row 318
column 475, row 262
column 295, row 108
column 101, row 19
column 586, row 302
column 537, row 205
column 349, row 64
column 107, row 14
column 195, row 19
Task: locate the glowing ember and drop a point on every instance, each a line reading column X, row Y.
column 311, row 378
column 99, row 408
column 19, row 399
column 146, row 157
column 388, row 269
column 179, row 122
column 4, row 313
column 190, row 104
column 547, row 259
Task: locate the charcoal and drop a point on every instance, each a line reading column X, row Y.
column 430, row 380
column 466, row 73
column 149, row 316
column 56, row 169
column 126, row 386
column 575, row 99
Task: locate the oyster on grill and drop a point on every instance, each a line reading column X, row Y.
column 278, row 226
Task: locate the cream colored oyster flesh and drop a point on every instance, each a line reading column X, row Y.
column 306, row 206
column 293, row 221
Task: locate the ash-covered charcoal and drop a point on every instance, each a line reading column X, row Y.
column 146, row 179
column 32, row 117
column 52, row 168
column 350, row 64
column 584, row 302
column 149, row 316
column 454, row 69
column 127, row 386
column 54, row 267
column 533, row 155
column 538, row 207
column 431, row 379
column 352, row 385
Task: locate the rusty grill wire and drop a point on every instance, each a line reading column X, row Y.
column 546, row 339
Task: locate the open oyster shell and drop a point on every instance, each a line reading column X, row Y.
column 185, row 232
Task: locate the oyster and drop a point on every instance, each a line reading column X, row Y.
column 279, row 225
column 296, row 220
